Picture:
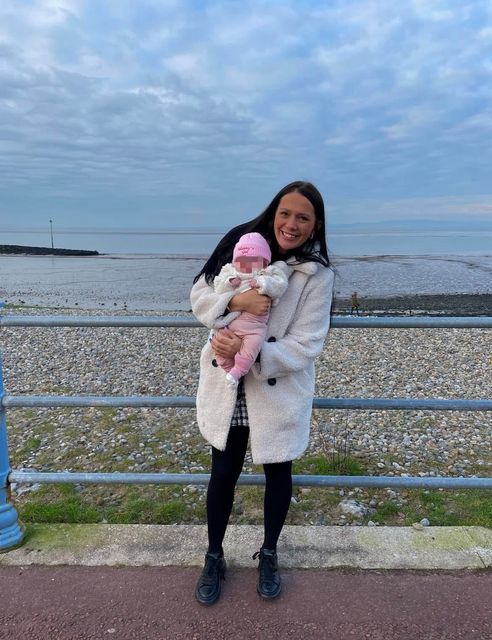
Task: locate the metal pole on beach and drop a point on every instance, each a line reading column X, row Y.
column 51, row 231
column 11, row 531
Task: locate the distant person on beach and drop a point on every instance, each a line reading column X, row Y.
column 272, row 403
column 250, row 269
column 355, row 303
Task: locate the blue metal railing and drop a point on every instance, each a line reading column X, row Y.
column 340, row 322
column 10, row 530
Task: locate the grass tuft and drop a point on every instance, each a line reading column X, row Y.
column 323, row 466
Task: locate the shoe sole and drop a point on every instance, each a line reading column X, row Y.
column 207, row 603
column 269, row 597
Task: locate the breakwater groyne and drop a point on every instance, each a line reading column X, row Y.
column 43, row 251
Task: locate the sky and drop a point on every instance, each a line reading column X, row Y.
column 180, row 113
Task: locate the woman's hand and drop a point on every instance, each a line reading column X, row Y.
column 226, row 344
column 252, row 302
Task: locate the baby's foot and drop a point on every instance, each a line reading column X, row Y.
column 231, row 380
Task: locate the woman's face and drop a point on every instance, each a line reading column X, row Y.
column 294, row 221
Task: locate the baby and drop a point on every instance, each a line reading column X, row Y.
column 250, row 269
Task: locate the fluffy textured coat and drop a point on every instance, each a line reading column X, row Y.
column 279, row 390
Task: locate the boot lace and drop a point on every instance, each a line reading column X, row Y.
column 267, row 566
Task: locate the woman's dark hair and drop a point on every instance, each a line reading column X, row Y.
column 314, row 249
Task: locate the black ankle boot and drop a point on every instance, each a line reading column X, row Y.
column 269, row 585
column 210, row 582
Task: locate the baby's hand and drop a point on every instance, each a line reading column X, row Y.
column 253, row 284
column 235, row 282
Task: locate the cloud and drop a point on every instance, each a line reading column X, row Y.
column 210, row 103
column 463, row 209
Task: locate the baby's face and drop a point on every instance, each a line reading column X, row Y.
column 249, row 264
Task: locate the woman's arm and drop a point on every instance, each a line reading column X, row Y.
column 306, row 335
column 210, row 308
column 226, row 344
column 250, row 301
column 216, row 310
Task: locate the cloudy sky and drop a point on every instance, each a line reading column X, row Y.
column 173, row 113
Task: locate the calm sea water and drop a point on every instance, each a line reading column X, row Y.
column 155, row 270
column 156, row 282
column 201, row 244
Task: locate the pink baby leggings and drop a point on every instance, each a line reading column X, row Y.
column 252, row 330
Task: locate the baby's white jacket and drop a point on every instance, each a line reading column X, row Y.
column 271, row 281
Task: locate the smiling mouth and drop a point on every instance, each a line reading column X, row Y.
column 288, row 236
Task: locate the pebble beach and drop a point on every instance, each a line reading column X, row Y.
column 410, row 363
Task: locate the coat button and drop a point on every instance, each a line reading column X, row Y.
column 214, row 363
column 272, row 339
column 272, row 381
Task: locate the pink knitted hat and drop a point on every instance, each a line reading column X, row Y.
column 252, row 244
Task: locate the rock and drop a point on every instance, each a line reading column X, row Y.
column 354, row 507
column 20, row 490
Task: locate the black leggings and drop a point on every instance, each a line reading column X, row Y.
column 226, row 467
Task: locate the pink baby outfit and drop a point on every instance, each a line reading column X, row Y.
column 252, row 330
column 271, row 281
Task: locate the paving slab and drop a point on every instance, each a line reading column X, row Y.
column 428, row 548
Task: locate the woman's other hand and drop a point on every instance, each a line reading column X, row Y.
column 252, row 302
column 226, row 344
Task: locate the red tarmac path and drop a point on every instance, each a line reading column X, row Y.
column 149, row 603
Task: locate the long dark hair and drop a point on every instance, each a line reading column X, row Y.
column 313, row 250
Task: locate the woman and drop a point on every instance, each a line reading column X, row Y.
column 272, row 405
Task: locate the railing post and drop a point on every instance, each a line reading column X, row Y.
column 11, row 531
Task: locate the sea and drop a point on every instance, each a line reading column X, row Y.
column 154, row 270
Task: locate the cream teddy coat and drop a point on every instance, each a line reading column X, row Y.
column 280, row 388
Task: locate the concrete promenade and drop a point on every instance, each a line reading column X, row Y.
column 85, row 582
column 313, row 547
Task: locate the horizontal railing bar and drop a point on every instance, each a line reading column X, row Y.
column 249, row 479
column 98, row 321
column 410, row 404
column 98, row 401
column 431, row 404
column 337, row 322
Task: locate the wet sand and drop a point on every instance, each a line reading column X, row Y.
column 442, row 304
column 457, row 285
